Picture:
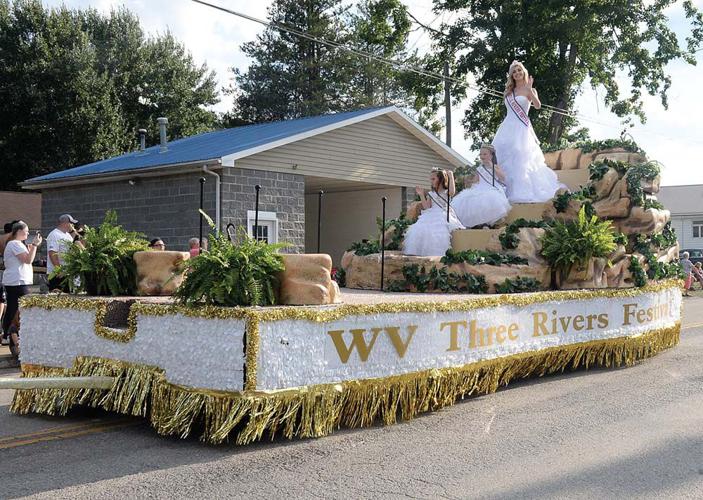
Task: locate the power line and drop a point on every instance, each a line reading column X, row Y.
column 406, row 67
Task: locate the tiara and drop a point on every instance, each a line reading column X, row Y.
column 489, row 146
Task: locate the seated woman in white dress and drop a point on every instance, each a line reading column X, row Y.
column 431, row 233
column 529, row 179
column 484, row 202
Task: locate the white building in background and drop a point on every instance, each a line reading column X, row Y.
column 686, row 206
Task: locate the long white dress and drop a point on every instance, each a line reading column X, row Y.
column 528, row 177
column 482, row 203
column 431, row 234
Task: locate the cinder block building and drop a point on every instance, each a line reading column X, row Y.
column 354, row 157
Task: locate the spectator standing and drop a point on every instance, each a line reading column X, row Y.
column 18, row 274
column 687, row 267
column 57, row 244
column 7, row 233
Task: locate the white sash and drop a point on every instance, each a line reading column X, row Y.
column 441, row 202
column 517, row 109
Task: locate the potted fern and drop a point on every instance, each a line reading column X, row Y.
column 105, row 266
column 572, row 248
column 240, row 273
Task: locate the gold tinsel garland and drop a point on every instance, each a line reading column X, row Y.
column 316, row 411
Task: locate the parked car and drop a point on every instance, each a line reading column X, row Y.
column 694, row 254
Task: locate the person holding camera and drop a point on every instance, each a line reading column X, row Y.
column 18, row 273
column 57, row 244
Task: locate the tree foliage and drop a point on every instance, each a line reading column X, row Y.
column 563, row 45
column 292, row 76
column 75, row 85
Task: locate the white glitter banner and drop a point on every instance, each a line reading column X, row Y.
column 295, row 352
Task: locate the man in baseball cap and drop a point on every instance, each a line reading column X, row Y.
column 57, row 244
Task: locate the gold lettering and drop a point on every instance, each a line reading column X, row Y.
column 511, row 330
column 453, row 333
column 539, row 320
column 641, row 314
column 394, row 334
column 628, row 313
column 577, row 323
column 358, row 342
column 591, row 318
column 500, row 334
column 603, row 320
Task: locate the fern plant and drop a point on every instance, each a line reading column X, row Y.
column 105, row 266
column 240, row 273
column 576, row 242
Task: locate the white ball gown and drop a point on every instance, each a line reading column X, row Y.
column 528, row 177
column 431, row 234
column 482, row 203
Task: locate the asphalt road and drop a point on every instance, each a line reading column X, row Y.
column 635, row 432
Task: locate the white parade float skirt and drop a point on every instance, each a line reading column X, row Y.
column 244, row 373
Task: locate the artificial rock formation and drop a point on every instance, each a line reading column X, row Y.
column 364, row 271
column 159, row 273
column 307, row 280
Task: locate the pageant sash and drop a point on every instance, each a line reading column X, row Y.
column 517, row 109
column 442, row 202
column 489, row 177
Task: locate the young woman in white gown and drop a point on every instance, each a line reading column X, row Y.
column 529, row 179
column 485, row 202
column 431, row 233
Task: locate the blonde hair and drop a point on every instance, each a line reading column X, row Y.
column 492, row 149
column 510, row 83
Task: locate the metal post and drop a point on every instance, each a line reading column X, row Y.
column 256, row 214
column 447, row 105
column 319, row 217
column 200, row 239
column 383, row 238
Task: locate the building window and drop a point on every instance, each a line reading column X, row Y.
column 267, row 229
column 697, row 228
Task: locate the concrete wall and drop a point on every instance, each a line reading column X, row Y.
column 283, row 193
column 167, row 206
column 164, row 207
column 347, row 217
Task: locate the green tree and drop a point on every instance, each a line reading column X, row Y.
column 563, row 44
column 75, row 86
column 291, row 76
column 381, row 28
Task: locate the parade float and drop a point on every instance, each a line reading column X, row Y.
column 245, row 343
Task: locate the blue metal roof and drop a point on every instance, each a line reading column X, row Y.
column 207, row 146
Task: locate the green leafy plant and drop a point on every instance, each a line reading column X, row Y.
column 646, row 245
column 240, row 273
column 576, row 242
column 478, row 257
column 509, row 238
column 399, row 225
column 439, row 279
column 639, row 277
column 365, row 247
column 635, row 175
column 620, row 238
column 651, row 203
column 105, row 265
column 598, row 169
column 588, row 146
column 584, row 195
column 518, row 285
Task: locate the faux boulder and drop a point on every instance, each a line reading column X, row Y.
column 307, row 280
column 159, row 273
column 590, row 275
column 641, row 221
column 364, row 271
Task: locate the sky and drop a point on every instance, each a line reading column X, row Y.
column 672, row 136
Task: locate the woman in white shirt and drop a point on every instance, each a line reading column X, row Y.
column 18, row 273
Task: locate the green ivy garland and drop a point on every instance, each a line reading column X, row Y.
column 438, row 279
column 509, row 238
column 518, row 285
column 635, row 174
column 639, row 277
column 479, row 257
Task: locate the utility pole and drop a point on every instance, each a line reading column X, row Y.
column 447, row 105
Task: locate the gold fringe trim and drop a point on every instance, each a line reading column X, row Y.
column 317, row 410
